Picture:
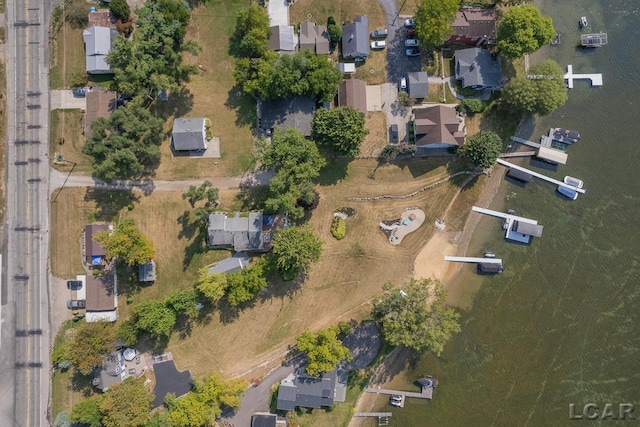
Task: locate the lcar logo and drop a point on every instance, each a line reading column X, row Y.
column 605, row 411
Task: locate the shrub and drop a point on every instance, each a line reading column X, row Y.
column 473, row 105
column 338, row 228
column 79, row 79
column 96, row 272
column 209, row 133
column 120, row 9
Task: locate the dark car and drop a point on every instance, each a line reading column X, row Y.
column 75, row 304
column 74, row 285
column 411, row 33
column 79, row 92
column 394, row 133
column 413, row 51
column 380, row 34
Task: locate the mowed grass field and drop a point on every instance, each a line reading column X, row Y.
column 67, row 56
column 67, row 139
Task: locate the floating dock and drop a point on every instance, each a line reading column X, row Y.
column 539, row 175
column 516, row 228
column 596, row 78
column 427, row 392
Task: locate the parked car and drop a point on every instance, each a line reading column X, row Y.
column 409, row 23
column 411, row 42
column 403, row 84
column 411, row 33
column 378, row 45
column 76, row 304
column 393, row 133
column 413, row 51
column 79, row 92
column 74, row 285
column 380, row 34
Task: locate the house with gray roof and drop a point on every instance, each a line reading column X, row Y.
column 314, row 37
column 97, row 41
column 238, row 232
column 112, row 371
column 147, row 272
column 355, row 39
column 189, row 134
column 478, row 69
column 296, row 112
column 281, row 39
column 418, row 85
column 239, row 261
column 301, row 389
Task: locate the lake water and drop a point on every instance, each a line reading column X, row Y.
column 561, row 324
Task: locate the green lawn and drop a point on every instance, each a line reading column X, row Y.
column 67, row 56
column 66, row 140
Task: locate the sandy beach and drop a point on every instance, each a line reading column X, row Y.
column 430, row 263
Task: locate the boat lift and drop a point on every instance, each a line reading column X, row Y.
column 539, row 175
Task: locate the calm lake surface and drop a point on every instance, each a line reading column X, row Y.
column 561, row 324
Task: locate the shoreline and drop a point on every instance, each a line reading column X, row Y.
column 430, row 263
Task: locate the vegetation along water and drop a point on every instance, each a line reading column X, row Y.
column 560, row 325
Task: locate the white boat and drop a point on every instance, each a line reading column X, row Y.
column 489, row 255
column 583, row 22
column 567, row 192
column 574, row 182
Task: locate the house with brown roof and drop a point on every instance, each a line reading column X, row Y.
column 101, row 298
column 314, row 37
column 353, row 93
column 100, row 103
column 437, row 126
column 94, row 253
column 474, row 27
column 281, row 39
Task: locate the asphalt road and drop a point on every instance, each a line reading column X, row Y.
column 24, row 308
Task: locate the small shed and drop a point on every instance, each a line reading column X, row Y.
column 347, row 67
column 147, row 272
column 519, row 175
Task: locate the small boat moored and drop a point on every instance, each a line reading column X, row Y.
column 567, row 192
column 489, row 255
column 574, row 182
column 564, row 136
column 583, row 22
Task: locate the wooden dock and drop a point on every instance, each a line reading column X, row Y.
column 596, row 78
column 525, row 142
column 372, row 414
column 473, row 260
column 539, row 175
column 517, row 154
column 427, row 392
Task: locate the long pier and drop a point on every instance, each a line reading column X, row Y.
column 427, row 392
column 517, row 154
column 503, row 215
column 525, row 142
column 539, row 175
column 473, row 260
column 372, row 414
column 596, row 78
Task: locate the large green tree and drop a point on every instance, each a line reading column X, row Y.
column 297, row 163
column 433, row 20
column 251, row 36
column 87, row 412
column 542, row 91
column 124, row 144
column 89, row 344
column 154, row 317
column 522, row 30
column 183, row 302
column 482, row 149
column 324, row 350
column 341, row 129
column 120, row 9
column 126, row 243
column 205, row 197
column 126, row 404
column 212, row 286
column 416, row 316
column 294, row 249
column 243, row 285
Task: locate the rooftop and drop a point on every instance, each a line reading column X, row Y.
column 238, row 261
column 296, row 112
column 101, row 292
column 353, row 93
column 314, row 37
column 189, row 134
column 242, row 233
column 100, row 103
column 478, row 68
column 437, row 125
column 355, row 38
column 147, row 272
column 281, row 38
column 303, row 390
column 418, row 84
column 92, row 249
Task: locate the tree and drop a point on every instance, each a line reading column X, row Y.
column 205, row 193
column 541, row 92
column 87, row 412
column 334, row 30
column 404, row 100
column 416, row 316
column 126, row 332
column 126, row 243
column 90, row 343
column 294, row 249
column 482, row 149
column 191, row 411
column 251, row 36
column 215, row 391
column 341, row 129
column 523, row 30
column 126, row 404
column 324, row 350
column 183, row 301
column 120, row 9
column 243, row 285
column 154, row 317
column 211, row 286
column 124, row 144
column 63, row 420
column 297, row 163
column 433, row 20
column 472, row 105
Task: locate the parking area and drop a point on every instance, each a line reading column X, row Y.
column 399, row 64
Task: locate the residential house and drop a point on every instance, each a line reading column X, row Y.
column 314, row 37
column 418, row 85
column 147, row 272
column 100, row 103
column 97, row 41
column 296, row 112
column 112, row 371
column 437, row 126
column 101, row 298
column 474, row 27
column 238, row 232
column 239, row 261
column 353, row 93
column 355, row 39
column 303, row 390
column 281, row 39
column 189, row 134
column 94, row 253
column 478, row 69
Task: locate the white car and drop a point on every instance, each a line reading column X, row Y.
column 403, row 84
column 380, row 44
column 411, row 42
column 409, row 23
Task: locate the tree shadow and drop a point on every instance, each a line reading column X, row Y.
column 195, row 230
column 110, row 203
column 82, row 383
column 279, row 289
column 178, row 104
column 253, row 198
column 244, row 106
column 152, row 345
column 334, row 172
column 128, row 283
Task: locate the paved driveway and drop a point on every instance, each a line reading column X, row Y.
column 279, row 12
column 64, row 99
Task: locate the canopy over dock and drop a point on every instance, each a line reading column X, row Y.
column 593, row 40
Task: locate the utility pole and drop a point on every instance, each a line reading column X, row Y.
column 65, row 180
